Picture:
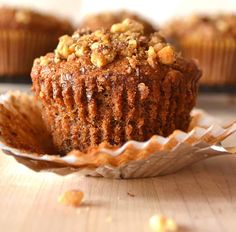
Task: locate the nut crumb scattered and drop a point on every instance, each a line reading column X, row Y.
column 159, row 223
column 109, row 219
column 130, row 194
column 144, row 91
column 71, row 198
column 167, row 55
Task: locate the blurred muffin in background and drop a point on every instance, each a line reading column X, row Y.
column 106, row 19
column 24, row 35
column 212, row 40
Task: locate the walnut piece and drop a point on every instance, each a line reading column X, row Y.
column 133, row 43
column 98, row 59
column 102, row 58
column 132, row 61
column 159, row 223
column 65, row 47
column 152, row 55
column 44, row 60
column 80, row 50
column 71, row 198
column 167, row 55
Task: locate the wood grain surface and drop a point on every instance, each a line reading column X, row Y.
column 199, row 198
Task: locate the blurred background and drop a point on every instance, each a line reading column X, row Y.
column 156, row 10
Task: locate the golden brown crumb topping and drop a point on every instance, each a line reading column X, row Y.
column 123, row 40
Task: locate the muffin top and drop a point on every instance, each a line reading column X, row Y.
column 203, row 26
column 124, row 41
column 106, row 19
column 20, row 18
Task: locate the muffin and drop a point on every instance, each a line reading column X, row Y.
column 106, row 19
column 113, row 86
column 211, row 40
column 25, row 35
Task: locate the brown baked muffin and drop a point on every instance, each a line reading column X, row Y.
column 212, row 40
column 106, row 19
column 113, row 86
column 24, row 35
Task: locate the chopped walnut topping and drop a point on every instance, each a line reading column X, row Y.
column 65, row 46
column 132, row 61
column 167, row 55
column 133, row 43
column 57, row 59
column 95, row 45
column 127, row 25
column 160, row 223
column 22, row 16
column 72, row 198
column 144, row 91
column 124, row 40
column 44, row 60
column 151, row 56
column 80, row 50
column 101, row 58
column 98, row 59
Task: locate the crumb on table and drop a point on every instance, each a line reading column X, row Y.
column 159, row 223
column 71, row 198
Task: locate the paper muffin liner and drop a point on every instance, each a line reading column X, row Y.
column 18, row 49
column 216, row 57
column 23, row 135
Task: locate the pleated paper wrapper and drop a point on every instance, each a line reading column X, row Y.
column 216, row 57
column 18, row 48
column 23, row 135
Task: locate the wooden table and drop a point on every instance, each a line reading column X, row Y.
column 200, row 198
